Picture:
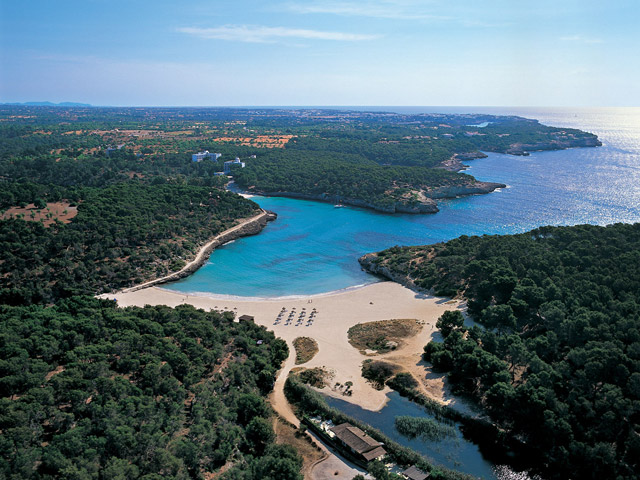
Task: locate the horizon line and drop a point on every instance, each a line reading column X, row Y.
column 300, row 106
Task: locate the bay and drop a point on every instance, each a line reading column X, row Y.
column 313, row 247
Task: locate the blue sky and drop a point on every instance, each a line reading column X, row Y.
column 288, row 52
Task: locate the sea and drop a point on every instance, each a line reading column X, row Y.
column 312, row 248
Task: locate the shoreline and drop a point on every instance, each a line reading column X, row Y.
column 428, row 206
column 336, row 312
column 246, row 227
column 231, row 298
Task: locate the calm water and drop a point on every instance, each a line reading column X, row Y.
column 455, row 452
column 313, row 247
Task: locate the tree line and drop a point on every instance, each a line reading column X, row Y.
column 557, row 360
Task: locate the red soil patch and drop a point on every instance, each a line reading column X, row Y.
column 62, row 211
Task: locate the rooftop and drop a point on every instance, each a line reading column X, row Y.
column 356, row 439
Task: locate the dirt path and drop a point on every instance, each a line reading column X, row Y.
column 277, row 398
column 201, row 256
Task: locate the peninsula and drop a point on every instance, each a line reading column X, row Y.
column 389, row 162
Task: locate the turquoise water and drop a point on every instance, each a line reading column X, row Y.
column 313, row 247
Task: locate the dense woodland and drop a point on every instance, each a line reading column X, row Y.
column 122, row 234
column 557, row 363
column 375, row 159
column 343, row 177
column 92, row 391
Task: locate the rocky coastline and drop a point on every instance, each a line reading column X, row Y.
column 524, row 149
column 427, row 204
column 250, row 227
column 369, row 263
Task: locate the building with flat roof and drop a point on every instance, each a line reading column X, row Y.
column 198, row 157
column 230, row 163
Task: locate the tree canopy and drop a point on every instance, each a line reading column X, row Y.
column 89, row 390
column 558, row 362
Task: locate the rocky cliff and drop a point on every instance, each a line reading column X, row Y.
column 252, row 227
column 371, row 264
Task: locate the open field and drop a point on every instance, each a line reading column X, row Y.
column 62, row 211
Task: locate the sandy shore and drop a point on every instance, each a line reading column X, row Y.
column 336, row 313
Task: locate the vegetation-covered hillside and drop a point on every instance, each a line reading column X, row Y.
column 558, row 362
column 121, row 235
column 91, row 391
column 387, row 161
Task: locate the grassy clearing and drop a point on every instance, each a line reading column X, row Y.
column 316, row 377
column 306, row 348
column 47, row 215
column 382, row 336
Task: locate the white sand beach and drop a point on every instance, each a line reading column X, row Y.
column 335, row 313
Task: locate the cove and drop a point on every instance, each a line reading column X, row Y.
column 313, row 247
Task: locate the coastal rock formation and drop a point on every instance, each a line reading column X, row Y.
column 248, row 228
column 475, row 188
column 454, row 164
column 370, row 262
column 560, row 143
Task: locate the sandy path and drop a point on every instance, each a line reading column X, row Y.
column 277, row 397
column 336, row 313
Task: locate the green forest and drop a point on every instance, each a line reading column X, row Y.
column 344, row 177
column 92, row 391
column 556, row 362
column 123, row 234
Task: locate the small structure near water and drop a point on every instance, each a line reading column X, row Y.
column 414, row 473
column 358, row 442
